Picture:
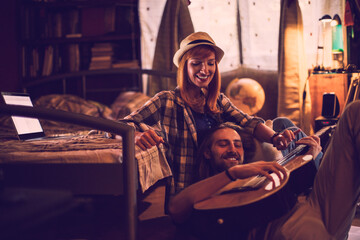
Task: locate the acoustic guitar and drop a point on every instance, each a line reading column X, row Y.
column 255, row 201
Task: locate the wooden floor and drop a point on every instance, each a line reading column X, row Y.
column 155, row 210
column 154, row 224
column 102, row 218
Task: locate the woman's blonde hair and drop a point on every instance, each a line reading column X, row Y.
column 185, row 84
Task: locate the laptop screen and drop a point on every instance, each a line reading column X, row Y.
column 26, row 127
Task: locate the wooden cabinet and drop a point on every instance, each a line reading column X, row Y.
column 325, row 83
column 65, row 38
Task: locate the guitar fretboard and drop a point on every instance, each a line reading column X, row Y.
column 302, row 148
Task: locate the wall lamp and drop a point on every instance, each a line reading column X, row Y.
column 326, row 18
column 335, row 21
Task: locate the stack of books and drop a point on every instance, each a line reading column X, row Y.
column 102, row 56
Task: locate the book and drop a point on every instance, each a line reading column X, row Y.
column 73, row 57
column 48, row 60
column 109, row 19
column 58, row 25
column 98, row 53
column 126, row 64
column 102, row 55
column 100, row 65
column 102, row 58
column 71, row 23
column 103, row 47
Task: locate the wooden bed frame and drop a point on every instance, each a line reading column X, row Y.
column 104, row 178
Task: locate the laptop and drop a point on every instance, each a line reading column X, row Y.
column 27, row 128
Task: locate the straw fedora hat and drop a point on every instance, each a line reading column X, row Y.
column 196, row 39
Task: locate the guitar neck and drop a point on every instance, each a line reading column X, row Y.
column 300, row 149
column 324, row 130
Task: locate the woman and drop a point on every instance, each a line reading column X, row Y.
column 178, row 118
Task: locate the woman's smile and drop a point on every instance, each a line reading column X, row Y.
column 201, row 70
column 202, row 77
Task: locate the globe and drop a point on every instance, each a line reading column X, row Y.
column 246, row 94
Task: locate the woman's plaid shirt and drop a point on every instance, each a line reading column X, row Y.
column 172, row 119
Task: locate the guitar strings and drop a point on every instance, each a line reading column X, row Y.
column 299, row 148
column 290, row 155
column 258, row 180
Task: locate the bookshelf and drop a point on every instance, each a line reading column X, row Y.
column 84, row 40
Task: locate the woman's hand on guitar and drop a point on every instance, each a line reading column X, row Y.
column 283, row 139
column 258, row 168
column 147, row 139
column 313, row 142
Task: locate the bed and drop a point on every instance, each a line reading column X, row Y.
column 91, row 161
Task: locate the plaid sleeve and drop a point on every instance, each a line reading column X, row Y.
column 233, row 114
column 150, row 113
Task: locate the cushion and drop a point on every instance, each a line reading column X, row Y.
column 127, row 102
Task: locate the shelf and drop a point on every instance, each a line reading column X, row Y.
column 67, row 40
column 113, row 71
column 78, row 3
column 75, row 46
column 56, row 21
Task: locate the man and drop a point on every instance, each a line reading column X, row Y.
column 222, row 158
column 328, row 211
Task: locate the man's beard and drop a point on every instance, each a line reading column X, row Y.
column 225, row 163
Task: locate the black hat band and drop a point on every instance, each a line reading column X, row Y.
column 200, row 41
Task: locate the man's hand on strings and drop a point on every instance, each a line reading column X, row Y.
column 258, row 168
column 283, row 139
column 313, row 142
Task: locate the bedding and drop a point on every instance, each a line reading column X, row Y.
column 79, row 149
column 87, row 146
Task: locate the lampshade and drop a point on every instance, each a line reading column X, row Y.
column 325, row 18
column 336, row 20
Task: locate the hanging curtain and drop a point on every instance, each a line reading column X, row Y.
column 175, row 25
column 294, row 95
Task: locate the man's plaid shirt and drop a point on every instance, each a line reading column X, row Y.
column 172, row 118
